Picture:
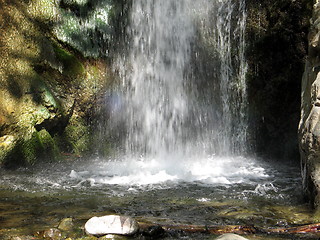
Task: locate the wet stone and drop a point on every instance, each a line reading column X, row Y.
column 66, row 224
column 111, row 224
column 113, row 237
column 52, row 234
column 22, row 238
column 231, row 236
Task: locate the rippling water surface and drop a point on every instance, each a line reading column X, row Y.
column 210, row 191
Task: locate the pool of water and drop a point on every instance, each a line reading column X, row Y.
column 208, row 192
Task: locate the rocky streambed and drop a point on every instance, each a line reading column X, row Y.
column 48, row 202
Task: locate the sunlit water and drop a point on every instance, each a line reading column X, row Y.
column 211, row 191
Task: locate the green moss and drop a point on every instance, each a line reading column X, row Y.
column 49, row 146
column 71, row 66
column 39, row 145
column 31, row 149
column 76, row 137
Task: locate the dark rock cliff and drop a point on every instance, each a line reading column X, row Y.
column 309, row 127
column 277, row 47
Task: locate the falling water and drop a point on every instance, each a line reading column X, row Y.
column 180, row 105
column 165, row 114
column 158, row 104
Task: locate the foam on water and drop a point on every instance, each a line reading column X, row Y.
column 139, row 172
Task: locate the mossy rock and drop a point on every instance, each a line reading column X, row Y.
column 87, row 238
column 76, row 137
column 40, row 146
column 42, row 94
column 31, row 149
column 49, row 146
column 7, row 145
column 27, row 150
column 44, row 10
column 71, row 66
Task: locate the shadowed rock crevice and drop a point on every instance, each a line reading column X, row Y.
column 277, row 47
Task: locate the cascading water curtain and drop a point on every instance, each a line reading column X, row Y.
column 163, row 115
column 230, row 39
column 157, row 103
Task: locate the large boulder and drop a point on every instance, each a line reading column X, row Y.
column 111, row 224
column 309, row 127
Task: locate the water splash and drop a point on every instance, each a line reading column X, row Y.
column 142, row 172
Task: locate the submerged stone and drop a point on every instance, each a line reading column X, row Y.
column 231, row 236
column 66, row 224
column 111, row 224
column 113, row 237
column 52, row 233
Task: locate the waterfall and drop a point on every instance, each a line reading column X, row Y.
column 179, row 111
column 157, row 101
column 166, row 111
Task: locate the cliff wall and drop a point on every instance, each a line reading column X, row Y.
column 48, row 88
column 309, row 127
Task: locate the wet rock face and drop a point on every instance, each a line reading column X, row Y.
column 47, row 88
column 309, row 127
column 111, row 224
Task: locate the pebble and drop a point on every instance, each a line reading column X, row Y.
column 111, row 224
column 231, row 236
column 66, row 224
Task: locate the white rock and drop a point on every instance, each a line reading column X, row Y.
column 231, row 236
column 111, row 224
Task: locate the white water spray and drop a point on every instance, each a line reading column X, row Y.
column 163, row 114
column 156, row 98
column 174, row 126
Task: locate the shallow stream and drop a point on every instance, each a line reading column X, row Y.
column 239, row 192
